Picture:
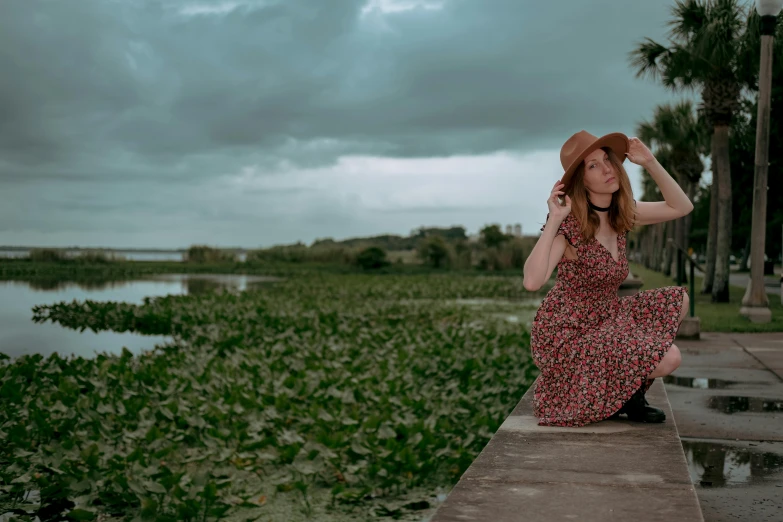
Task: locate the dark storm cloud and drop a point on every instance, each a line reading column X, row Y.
column 244, row 122
column 99, row 89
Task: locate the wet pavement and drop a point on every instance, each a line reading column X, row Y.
column 698, row 382
column 727, row 401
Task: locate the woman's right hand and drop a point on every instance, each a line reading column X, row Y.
column 557, row 211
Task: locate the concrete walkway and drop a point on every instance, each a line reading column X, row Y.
column 724, row 409
column 727, row 401
column 771, row 283
column 611, row 470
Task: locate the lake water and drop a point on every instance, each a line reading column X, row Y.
column 130, row 255
column 19, row 335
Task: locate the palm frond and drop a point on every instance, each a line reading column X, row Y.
column 681, row 69
column 719, row 39
column 688, row 17
column 647, row 57
column 646, row 132
column 677, row 139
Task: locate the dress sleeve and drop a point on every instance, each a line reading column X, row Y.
column 568, row 228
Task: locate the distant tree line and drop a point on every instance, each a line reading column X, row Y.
column 436, row 248
column 432, row 247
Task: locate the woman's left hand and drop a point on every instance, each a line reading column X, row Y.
column 638, row 152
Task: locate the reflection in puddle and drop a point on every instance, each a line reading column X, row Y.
column 733, row 404
column 698, row 382
column 716, row 465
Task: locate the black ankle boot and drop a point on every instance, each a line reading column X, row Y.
column 639, row 410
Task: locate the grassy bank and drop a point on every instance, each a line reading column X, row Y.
column 717, row 317
column 320, row 396
column 24, row 269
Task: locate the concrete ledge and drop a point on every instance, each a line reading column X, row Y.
column 611, row 470
column 757, row 314
column 690, row 329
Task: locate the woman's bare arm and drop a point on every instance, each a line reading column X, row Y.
column 549, row 247
column 676, row 204
column 543, row 259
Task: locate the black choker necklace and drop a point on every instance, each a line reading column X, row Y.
column 597, row 208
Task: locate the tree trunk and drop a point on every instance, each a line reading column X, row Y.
column 720, row 285
column 745, row 256
column 668, row 252
column 679, row 229
column 653, row 243
column 659, row 244
column 651, row 247
column 688, row 220
column 712, row 235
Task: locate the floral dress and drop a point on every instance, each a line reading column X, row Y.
column 593, row 348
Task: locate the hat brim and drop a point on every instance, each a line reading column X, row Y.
column 617, row 141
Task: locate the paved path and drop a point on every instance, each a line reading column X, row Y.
column 771, row 283
column 727, row 401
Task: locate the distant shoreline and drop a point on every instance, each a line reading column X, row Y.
column 106, row 249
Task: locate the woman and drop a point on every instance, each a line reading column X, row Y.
column 597, row 353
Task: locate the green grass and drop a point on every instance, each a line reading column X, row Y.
column 717, row 317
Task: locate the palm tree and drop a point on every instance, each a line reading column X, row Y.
column 650, row 237
column 707, row 52
column 679, row 140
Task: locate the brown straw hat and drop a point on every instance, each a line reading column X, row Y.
column 578, row 146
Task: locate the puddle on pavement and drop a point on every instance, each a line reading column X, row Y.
column 698, row 382
column 715, row 465
column 734, row 404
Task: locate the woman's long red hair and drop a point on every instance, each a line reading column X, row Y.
column 621, row 211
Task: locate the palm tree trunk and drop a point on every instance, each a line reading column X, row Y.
column 684, row 225
column 745, row 256
column 668, row 252
column 659, row 243
column 712, row 235
column 720, row 285
column 688, row 220
column 650, row 247
column 653, row 242
column 679, row 230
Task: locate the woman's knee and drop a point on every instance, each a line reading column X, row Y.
column 686, row 303
column 670, row 362
column 675, row 357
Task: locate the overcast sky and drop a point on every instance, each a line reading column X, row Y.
column 164, row 123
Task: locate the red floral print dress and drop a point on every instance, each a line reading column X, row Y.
column 593, row 348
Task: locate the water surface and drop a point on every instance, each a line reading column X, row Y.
column 715, row 464
column 19, row 335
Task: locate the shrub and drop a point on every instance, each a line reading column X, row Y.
column 97, row 257
column 492, row 236
column 492, row 259
column 463, row 255
column 372, row 258
column 206, row 254
column 300, row 253
column 47, row 255
column 435, row 252
column 518, row 253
